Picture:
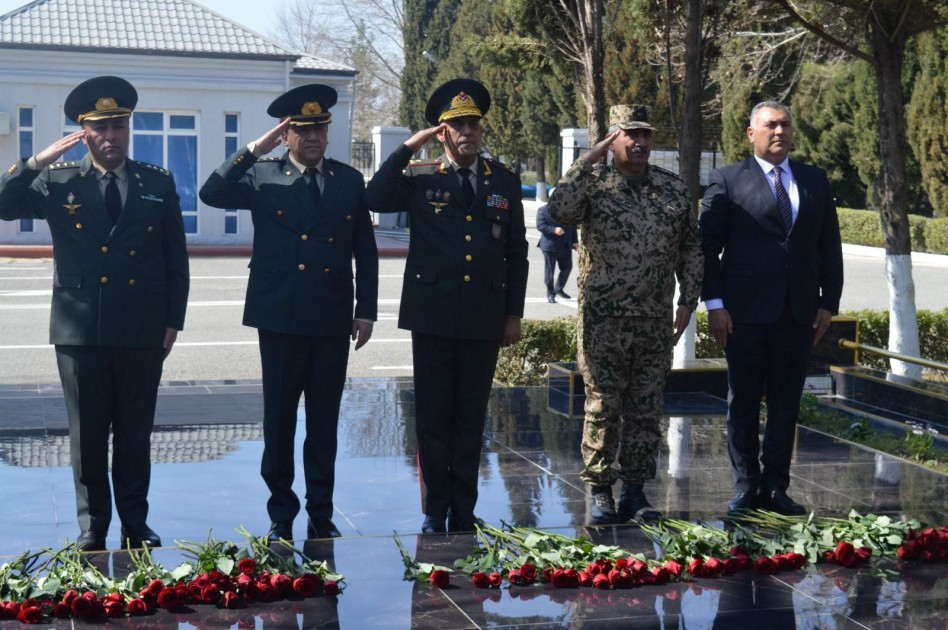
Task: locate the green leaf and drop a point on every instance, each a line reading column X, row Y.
column 225, row 565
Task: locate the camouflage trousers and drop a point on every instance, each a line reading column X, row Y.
column 625, row 362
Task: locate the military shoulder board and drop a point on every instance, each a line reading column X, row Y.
column 269, row 159
column 56, row 165
column 152, row 167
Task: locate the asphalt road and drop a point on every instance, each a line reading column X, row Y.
column 216, row 346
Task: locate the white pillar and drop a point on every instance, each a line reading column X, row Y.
column 386, row 140
column 570, row 139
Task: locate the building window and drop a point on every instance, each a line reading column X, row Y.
column 25, row 139
column 170, row 140
column 231, row 132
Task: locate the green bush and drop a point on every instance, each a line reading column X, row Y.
column 554, row 341
column 863, row 227
column 542, row 342
column 936, row 236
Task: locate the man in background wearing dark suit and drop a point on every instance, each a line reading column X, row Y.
column 310, row 220
column 120, row 290
column 463, row 292
column 770, row 296
column 557, row 242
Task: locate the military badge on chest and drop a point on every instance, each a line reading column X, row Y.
column 438, row 198
column 498, row 206
column 69, row 205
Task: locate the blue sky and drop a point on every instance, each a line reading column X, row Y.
column 250, row 13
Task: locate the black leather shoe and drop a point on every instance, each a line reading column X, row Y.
column 322, row 527
column 603, row 507
column 91, row 540
column 742, row 502
column 281, row 529
column 776, row 500
column 139, row 535
column 433, row 525
column 633, row 504
column 465, row 523
column 551, row 299
column 563, row 294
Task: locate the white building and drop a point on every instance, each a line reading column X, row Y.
column 204, row 84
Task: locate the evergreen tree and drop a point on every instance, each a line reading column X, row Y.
column 426, row 32
column 927, row 113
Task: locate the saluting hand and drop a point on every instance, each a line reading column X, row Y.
column 272, row 139
column 421, row 138
column 601, row 148
column 56, row 150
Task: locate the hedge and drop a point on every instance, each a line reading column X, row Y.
column 554, row 341
column 864, row 227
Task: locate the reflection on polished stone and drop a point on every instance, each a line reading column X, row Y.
column 206, row 477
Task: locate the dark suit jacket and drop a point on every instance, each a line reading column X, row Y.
column 301, row 280
column 762, row 266
column 467, row 267
column 550, row 242
column 120, row 285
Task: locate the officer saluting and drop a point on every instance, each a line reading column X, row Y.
column 463, row 291
column 120, row 290
column 310, row 220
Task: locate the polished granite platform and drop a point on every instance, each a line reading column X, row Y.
column 207, row 450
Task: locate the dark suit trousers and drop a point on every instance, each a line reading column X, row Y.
column 107, row 389
column 293, row 365
column 550, row 261
column 769, row 360
column 453, row 378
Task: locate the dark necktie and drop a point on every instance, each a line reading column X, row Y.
column 783, row 199
column 467, row 188
column 313, row 173
column 113, row 200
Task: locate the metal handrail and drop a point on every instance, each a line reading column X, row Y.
column 848, row 344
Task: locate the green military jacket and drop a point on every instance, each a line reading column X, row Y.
column 115, row 285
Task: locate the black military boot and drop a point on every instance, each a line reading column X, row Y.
column 603, row 507
column 634, row 505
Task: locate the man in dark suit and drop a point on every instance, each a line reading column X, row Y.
column 557, row 242
column 463, row 293
column 770, row 297
column 310, row 220
column 120, row 290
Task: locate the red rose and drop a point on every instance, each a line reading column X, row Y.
column 81, row 607
column 797, row 560
column 738, row 551
column 480, row 580
column 601, row 581
column 230, row 601
column 30, row 614
column 283, row 584
column 529, row 573
column 782, row 561
column 863, row 554
column 563, row 579
column 155, row 586
column 515, row 577
column 662, row 575
column 114, row 608
column 439, row 578
column 496, row 579
column 70, row 595
column 638, row 567
column 62, row 611
column 696, row 567
column 845, row 554
column 247, row 566
column 674, row 568
column 765, row 565
column 137, row 607
column 331, row 587
column 907, row 550
column 584, row 578
column 168, row 598
column 621, row 563
column 210, row 594
column 713, row 567
column 306, row 586
column 548, row 575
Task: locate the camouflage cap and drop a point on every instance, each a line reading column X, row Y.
column 627, row 117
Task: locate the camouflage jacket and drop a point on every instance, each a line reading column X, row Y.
column 636, row 237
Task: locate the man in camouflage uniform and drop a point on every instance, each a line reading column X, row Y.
column 638, row 233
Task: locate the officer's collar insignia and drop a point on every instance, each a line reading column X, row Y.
column 486, row 169
column 443, row 168
column 311, row 108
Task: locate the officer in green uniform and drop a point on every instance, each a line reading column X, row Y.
column 638, row 233
column 310, row 220
column 463, row 292
column 120, row 290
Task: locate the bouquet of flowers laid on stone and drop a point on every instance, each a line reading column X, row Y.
column 65, row 584
column 435, row 575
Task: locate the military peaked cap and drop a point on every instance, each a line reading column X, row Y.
column 305, row 105
column 100, row 98
column 457, row 98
